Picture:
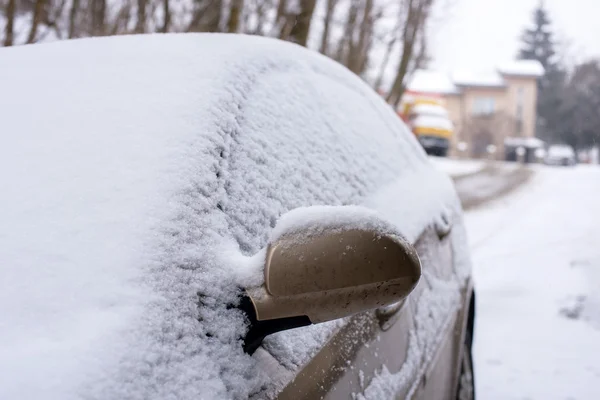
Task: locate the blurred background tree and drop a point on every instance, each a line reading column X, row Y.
column 381, row 39
column 568, row 105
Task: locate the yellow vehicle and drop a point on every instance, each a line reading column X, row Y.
column 428, row 119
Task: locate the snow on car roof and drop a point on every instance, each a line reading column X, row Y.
column 560, row 150
column 432, row 121
column 430, row 109
column 127, row 203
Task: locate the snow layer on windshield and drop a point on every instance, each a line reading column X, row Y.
column 142, row 176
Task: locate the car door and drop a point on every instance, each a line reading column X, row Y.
column 382, row 354
column 333, row 142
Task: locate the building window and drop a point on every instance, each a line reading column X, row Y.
column 484, row 106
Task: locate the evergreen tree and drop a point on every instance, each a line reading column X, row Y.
column 538, row 44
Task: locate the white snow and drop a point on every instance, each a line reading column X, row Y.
column 560, row 151
column 527, row 142
column 537, row 276
column 456, row 167
column 430, row 81
column 530, row 68
column 142, row 176
column 432, row 121
column 478, row 78
column 313, row 220
column 430, row 109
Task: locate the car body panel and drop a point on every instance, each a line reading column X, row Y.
column 355, row 355
column 201, row 143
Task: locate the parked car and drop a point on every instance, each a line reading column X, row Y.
column 561, row 155
column 203, row 216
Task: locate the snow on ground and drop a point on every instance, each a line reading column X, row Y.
column 537, row 276
column 456, row 168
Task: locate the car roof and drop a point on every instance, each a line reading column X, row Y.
column 140, row 174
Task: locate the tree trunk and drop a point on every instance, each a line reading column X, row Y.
column 73, row 18
column 214, row 11
column 167, row 17
column 386, row 60
column 283, row 25
column 364, row 39
column 98, row 17
column 10, row 21
column 234, row 15
column 300, row 31
column 329, row 11
column 414, row 19
column 35, row 21
column 346, row 45
column 140, row 26
column 121, row 21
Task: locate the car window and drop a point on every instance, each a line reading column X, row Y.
column 330, row 144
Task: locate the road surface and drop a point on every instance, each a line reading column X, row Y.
column 536, row 255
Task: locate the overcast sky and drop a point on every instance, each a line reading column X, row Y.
column 479, row 34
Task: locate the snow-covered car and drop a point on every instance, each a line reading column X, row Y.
column 219, row 216
column 560, row 155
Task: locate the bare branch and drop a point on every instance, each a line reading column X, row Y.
column 329, row 11
column 35, row 20
column 10, row 20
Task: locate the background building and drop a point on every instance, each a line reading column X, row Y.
column 492, row 113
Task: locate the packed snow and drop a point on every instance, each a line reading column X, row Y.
column 430, row 81
column 478, row 78
column 429, row 109
column 142, row 176
column 561, row 151
column 530, row 68
column 457, row 168
column 537, row 276
column 432, row 121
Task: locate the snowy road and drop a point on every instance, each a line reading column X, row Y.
column 490, row 182
column 536, row 256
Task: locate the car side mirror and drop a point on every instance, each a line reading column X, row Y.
column 317, row 275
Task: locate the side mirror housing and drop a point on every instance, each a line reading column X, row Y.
column 340, row 269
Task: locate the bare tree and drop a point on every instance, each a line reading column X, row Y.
column 303, row 17
column 213, row 12
column 122, row 18
column 329, row 12
column 234, row 15
column 98, row 12
column 140, row 26
column 206, row 16
column 416, row 15
column 359, row 50
column 73, row 19
column 283, row 22
column 345, row 44
column 36, row 19
column 10, row 21
column 166, row 16
column 389, row 47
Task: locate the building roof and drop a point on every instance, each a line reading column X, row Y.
column 482, row 79
column 431, row 81
column 527, row 68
